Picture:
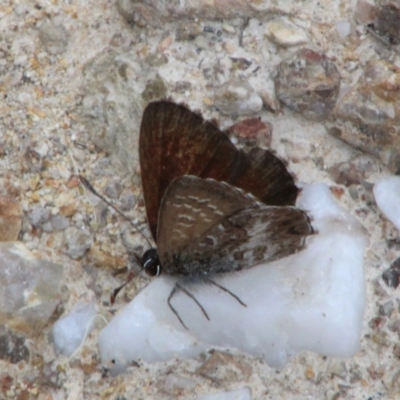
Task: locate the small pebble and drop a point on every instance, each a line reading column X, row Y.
column 377, row 323
column 59, row 223
column 252, row 132
column 353, row 192
column 346, row 173
column 47, row 227
column 173, row 384
column 284, row 33
column 183, row 86
column 12, row 346
column 308, row 83
column 237, row 97
column 364, row 11
column 338, row 369
column 240, row 63
column 391, row 276
column 113, row 190
column 343, row 28
column 188, row 30
column 70, row 330
column 381, row 338
column 10, row 219
column 386, row 309
column 368, row 117
column 396, row 350
column 387, row 197
column 29, row 288
column 155, row 89
column 127, row 201
column 309, row 373
column 388, row 19
column 355, row 374
column 395, row 326
column 38, row 216
column 221, row 365
column 77, row 242
column 157, row 59
column 54, row 37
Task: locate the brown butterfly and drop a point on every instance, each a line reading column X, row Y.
column 211, row 207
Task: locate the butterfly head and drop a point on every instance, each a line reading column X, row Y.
column 151, row 263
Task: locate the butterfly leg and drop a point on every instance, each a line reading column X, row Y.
column 173, row 291
column 227, row 291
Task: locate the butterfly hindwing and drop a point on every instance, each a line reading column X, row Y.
column 207, row 227
column 252, row 236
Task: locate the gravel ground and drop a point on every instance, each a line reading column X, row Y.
column 73, row 77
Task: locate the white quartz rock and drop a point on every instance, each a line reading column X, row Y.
column 313, row 300
column 29, row 288
column 70, row 331
column 387, row 196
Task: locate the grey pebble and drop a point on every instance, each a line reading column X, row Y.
column 59, row 223
column 53, row 37
column 38, row 216
column 386, row 309
column 77, row 242
column 113, row 190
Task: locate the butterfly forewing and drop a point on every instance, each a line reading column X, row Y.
column 207, row 227
column 174, row 142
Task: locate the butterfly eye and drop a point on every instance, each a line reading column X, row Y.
column 151, row 263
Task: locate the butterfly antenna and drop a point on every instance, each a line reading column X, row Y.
column 89, row 187
column 226, row 290
column 173, row 291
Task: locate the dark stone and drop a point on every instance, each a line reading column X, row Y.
column 368, row 116
column 308, row 83
column 387, row 20
column 12, row 346
column 392, row 275
column 391, row 278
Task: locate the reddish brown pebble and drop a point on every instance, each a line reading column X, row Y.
column 337, row 191
column 73, row 182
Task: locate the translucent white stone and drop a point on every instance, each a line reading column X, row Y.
column 387, row 197
column 71, row 330
column 313, row 300
column 29, row 288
